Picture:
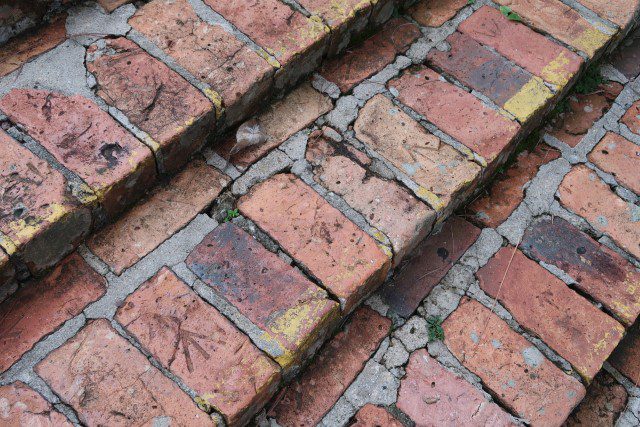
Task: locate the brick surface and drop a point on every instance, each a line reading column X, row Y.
column 597, row 270
column 111, row 5
column 456, row 112
column 620, row 12
column 562, row 22
column 337, row 364
column 386, row 205
column 238, row 74
column 432, row 395
column 39, row 219
column 87, row 141
column 152, row 221
column 442, row 172
column 601, row 207
column 195, row 342
column 619, row 157
column 7, row 271
column 107, row 381
column 22, row 406
column 632, row 118
column 41, row 307
column 604, row 402
column 431, row 13
column 514, row 370
column 567, row 322
column 626, row 358
column 373, row 416
column 294, row 314
column 484, row 70
column 530, row 50
column 346, row 261
column 626, row 58
column 176, row 115
column 427, row 265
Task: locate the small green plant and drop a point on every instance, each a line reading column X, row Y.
column 470, row 2
column 510, row 14
column 436, row 333
column 231, row 213
column 590, row 81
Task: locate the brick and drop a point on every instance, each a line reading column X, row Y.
column 346, row 261
column 507, row 191
column 562, row 22
column 113, row 163
column 7, row 272
column 163, row 213
column 427, row 265
column 597, row 270
column 177, row 117
column 295, row 315
column 337, row 364
column 385, row 204
column 443, row 173
column 238, row 75
column 456, row 112
column 431, row 13
column 40, row 221
column 373, row 416
column 515, row 371
column 619, row 157
column 41, row 307
column 605, row 211
column 604, row 402
column 626, row 358
column 566, row 321
column 107, row 381
column 186, row 335
column 432, row 395
column 371, row 56
column 279, row 121
column 620, row 12
column 532, row 51
column 22, row 406
column 111, row 5
column 626, row 57
column 632, row 118
column 482, row 69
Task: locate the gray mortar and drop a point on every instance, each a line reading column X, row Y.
column 339, row 415
column 375, row 384
column 88, row 22
column 344, row 113
column 296, row 146
column 323, row 85
column 223, row 165
column 274, row 162
column 488, row 243
column 414, row 334
column 395, row 355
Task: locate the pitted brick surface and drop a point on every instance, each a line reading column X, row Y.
column 22, row 406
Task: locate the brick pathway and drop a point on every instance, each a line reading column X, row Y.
column 151, row 275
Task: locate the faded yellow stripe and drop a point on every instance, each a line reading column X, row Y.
column 529, row 99
column 555, row 72
column 590, row 41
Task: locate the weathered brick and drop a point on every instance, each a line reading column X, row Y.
column 152, row 221
column 626, row 58
column 22, row 406
column 111, row 5
column 456, row 112
column 239, row 75
column 597, row 270
column 195, row 342
column 427, row 265
column 337, row 364
column 626, row 358
column 566, row 321
column 620, row 12
column 632, row 118
column 602, row 405
column 39, row 308
column 373, row 416
column 371, row 56
column 385, row 204
column 39, row 219
column 345, row 259
column 532, row 51
column 514, row 370
column 295, row 315
column 177, row 117
column 562, row 22
column 443, row 173
column 107, row 381
column 432, row 395
column 604, row 210
column 7, row 271
column 619, row 157
column 482, row 69
column 431, row 13
column 86, row 140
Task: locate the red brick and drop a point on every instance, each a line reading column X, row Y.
column 563, row 319
column 7, row 271
column 40, row 221
column 107, row 381
column 530, row 50
column 444, row 174
column 626, row 57
column 598, row 271
column 295, row 315
column 195, row 342
column 632, row 118
column 432, row 395
column 430, row 13
column 152, row 221
column 619, row 157
column 620, row 12
column 604, row 402
column 176, row 115
column 39, row 308
column 626, row 358
column 601, row 207
column 374, row 416
column 456, row 112
column 371, row 56
column 115, row 165
column 312, row 395
column 427, row 265
column 238, row 74
column 515, row 371
column 22, row 406
column 111, row 5
column 386, row 205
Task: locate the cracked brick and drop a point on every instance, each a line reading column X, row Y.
column 619, row 157
column 435, row 13
column 602, row 405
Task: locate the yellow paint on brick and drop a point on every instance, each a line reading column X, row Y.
column 529, row 99
column 555, row 72
column 26, row 231
column 345, row 11
column 387, row 250
column 434, row 201
column 216, row 98
column 314, row 31
column 267, row 57
column 590, row 41
column 153, row 144
column 7, row 244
